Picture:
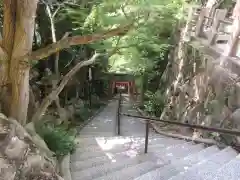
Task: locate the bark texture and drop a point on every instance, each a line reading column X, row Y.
column 19, row 70
column 18, row 29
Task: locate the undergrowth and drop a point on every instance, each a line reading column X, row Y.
column 58, row 138
column 154, row 103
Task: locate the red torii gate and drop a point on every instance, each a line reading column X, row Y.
column 129, row 84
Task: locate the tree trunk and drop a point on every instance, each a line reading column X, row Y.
column 19, row 70
column 6, row 51
column 18, row 27
column 54, row 38
column 8, row 41
column 143, row 88
column 56, row 60
column 233, row 43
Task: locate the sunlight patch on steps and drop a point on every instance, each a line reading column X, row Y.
column 130, row 154
column 108, row 144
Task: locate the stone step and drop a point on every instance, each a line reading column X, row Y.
column 91, row 144
column 133, row 147
column 111, row 129
column 96, row 161
column 194, row 158
column 172, row 153
column 129, row 172
column 158, row 151
column 229, row 171
column 108, row 158
column 101, row 170
column 96, row 134
column 178, row 166
column 207, row 166
column 100, row 123
column 106, row 144
column 89, row 141
column 108, row 125
column 100, row 126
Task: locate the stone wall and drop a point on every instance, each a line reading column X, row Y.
column 203, row 90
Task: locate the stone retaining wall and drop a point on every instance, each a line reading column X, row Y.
column 203, row 88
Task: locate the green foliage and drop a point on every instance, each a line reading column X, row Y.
column 142, row 51
column 59, row 139
column 84, row 112
column 228, row 4
column 154, row 103
column 139, row 50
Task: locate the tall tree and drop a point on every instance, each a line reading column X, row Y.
column 16, row 52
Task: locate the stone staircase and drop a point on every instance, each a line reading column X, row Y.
column 103, row 156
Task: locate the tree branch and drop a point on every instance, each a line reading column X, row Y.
column 54, row 94
column 72, row 4
column 75, row 40
column 115, row 48
column 56, row 11
column 125, row 14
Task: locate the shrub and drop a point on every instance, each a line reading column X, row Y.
column 154, row 103
column 59, row 139
column 83, row 114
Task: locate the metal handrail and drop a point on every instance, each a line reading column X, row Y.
column 148, row 120
column 146, row 137
column 206, row 17
column 226, row 22
column 118, row 123
column 118, row 113
column 212, row 129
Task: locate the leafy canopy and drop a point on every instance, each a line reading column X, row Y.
column 142, row 48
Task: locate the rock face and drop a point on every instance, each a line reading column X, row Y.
column 20, row 157
column 202, row 90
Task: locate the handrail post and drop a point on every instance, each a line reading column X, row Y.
column 118, row 114
column 146, row 136
column 200, row 22
column 220, row 14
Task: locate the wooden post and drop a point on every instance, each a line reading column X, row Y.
column 187, row 32
column 212, row 5
column 113, row 86
column 134, row 88
column 90, row 87
column 232, row 45
column 219, row 15
column 188, row 28
column 129, row 86
column 200, row 23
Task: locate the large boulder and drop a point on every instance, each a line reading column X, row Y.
column 21, row 156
